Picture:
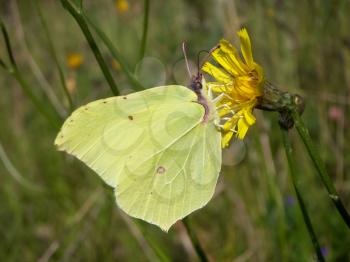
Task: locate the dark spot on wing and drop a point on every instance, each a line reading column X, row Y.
column 161, row 170
column 124, row 97
column 105, row 102
column 131, row 117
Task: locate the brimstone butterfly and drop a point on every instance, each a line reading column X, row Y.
column 159, row 149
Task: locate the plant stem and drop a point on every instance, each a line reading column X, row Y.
column 291, row 164
column 117, row 56
column 274, row 194
column 327, row 181
column 13, row 70
column 8, row 44
column 37, row 103
column 145, row 28
column 2, row 64
column 53, row 52
column 161, row 255
column 195, row 241
column 79, row 18
column 12, row 170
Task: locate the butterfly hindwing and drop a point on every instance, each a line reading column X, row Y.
column 181, row 179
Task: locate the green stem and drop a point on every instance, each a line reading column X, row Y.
column 3, row 65
column 195, row 241
column 145, row 28
column 327, row 181
column 275, row 195
column 53, row 52
column 291, row 163
column 79, row 18
column 8, row 44
column 162, row 256
column 117, row 56
column 37, row 103
column 13, row 70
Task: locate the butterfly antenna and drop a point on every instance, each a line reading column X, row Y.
column 186, row 60
column 198, row 57
column 206, row 58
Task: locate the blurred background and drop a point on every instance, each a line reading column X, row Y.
column 53, row 208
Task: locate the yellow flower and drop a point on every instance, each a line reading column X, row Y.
column 239, row 83
column 122, row 6
column 116, row 65
column 74, row 60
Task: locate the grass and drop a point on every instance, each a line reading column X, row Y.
column 303, row 46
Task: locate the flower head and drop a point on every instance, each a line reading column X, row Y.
column 238, row 84
column 122, row 5
column 74, row 60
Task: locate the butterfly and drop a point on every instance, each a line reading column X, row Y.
column 159, row 149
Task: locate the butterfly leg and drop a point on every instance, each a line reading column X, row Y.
column 227, row 107
column 220, row 97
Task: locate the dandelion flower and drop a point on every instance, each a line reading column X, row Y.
column 238, row 84
column 74, row 60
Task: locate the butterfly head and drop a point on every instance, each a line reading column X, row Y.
column 196, row 84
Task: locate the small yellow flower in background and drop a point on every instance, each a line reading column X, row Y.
column 116, row 65
column 270, row 12
column 74, row 60
column 122, row 6
column 239, row 83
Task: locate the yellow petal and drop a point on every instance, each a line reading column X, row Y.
column 218, row 74
column 249, row 117
column 232, row 57
column 260, row 73
column 224, row 111
column 242, row 127
column 245, row 89
column 217, row 87
column 246, row 47
column 226, row 139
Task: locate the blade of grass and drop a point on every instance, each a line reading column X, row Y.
column 7, row 44
column 54, row 55
column 325, row 178
column 3, row 65
column 44, row 85
column 195, row 241
column 12, row 170
column 116, row 54
column 13, row 70
column 273, row 190
column 54, row 121
column 73, row 223
column 292, row 171
column 161, row 255
column 79, row 18
column 145, row 28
